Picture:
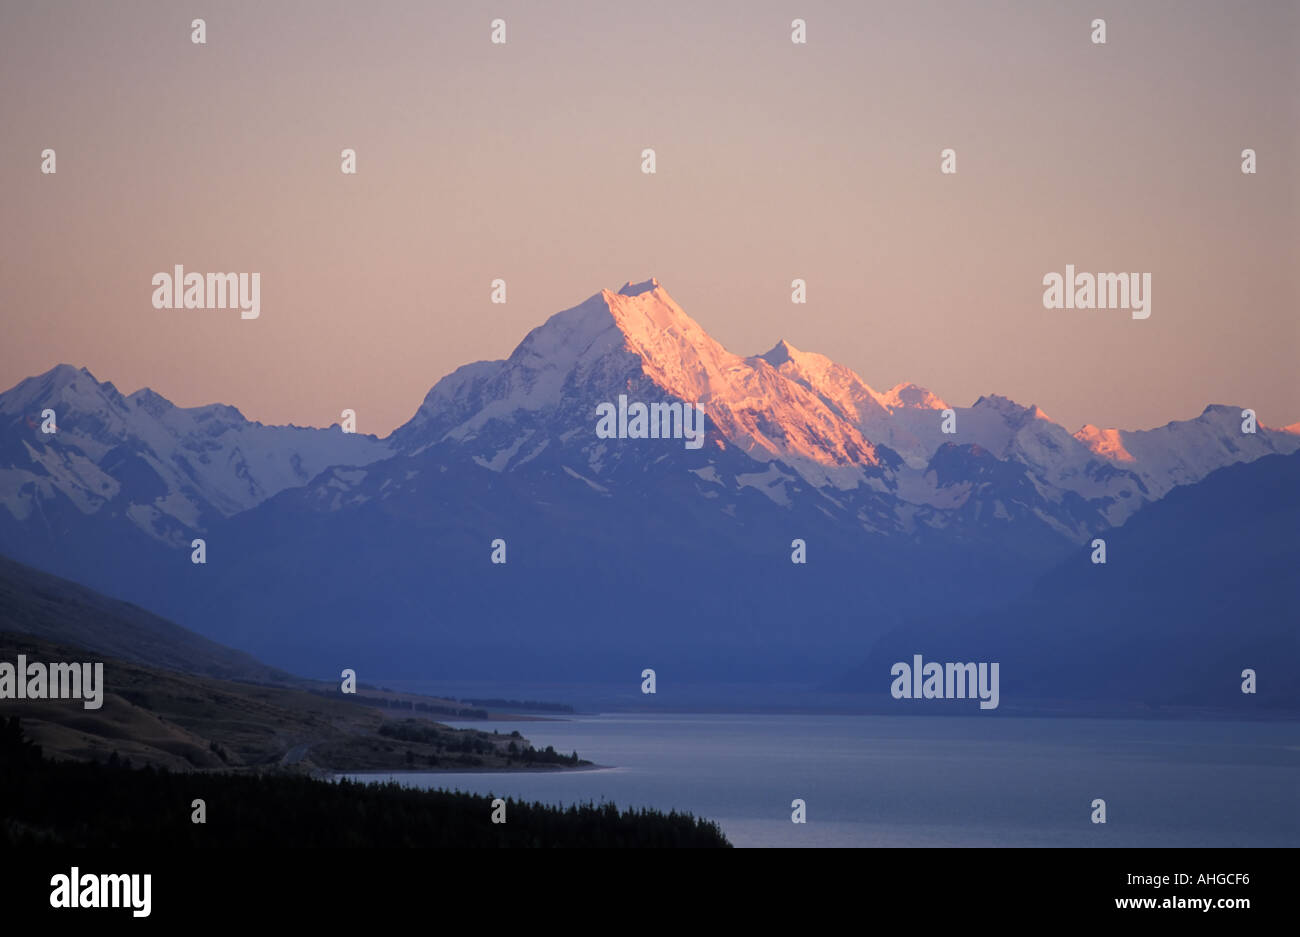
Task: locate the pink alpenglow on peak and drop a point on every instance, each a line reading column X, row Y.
column 636, row 289
column 819, row 419
column 910, row 396
column 1104, row 442
column 762, row 410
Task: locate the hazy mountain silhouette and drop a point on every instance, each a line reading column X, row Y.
column 1196, row 588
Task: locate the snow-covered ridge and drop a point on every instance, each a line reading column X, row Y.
column 800, row 408
column 169, row 469
column 1183, row 452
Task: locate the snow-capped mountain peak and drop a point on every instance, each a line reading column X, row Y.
column 911, row 396
column 781, row 353
column 799, row 407
column 639, row 341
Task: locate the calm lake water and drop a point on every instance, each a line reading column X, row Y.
column 927, row 781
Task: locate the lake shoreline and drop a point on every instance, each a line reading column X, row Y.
column 540, row 769
column 871, row 780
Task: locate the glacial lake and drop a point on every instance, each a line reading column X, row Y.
column 925, row 781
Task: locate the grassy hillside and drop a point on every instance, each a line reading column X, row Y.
column 186, row 722
column 55, row 609
column 63, row 612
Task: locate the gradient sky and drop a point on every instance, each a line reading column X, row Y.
column 775, row 161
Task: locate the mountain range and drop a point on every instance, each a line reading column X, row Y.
column 327, row 549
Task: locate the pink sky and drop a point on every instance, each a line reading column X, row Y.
column 775, row 161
